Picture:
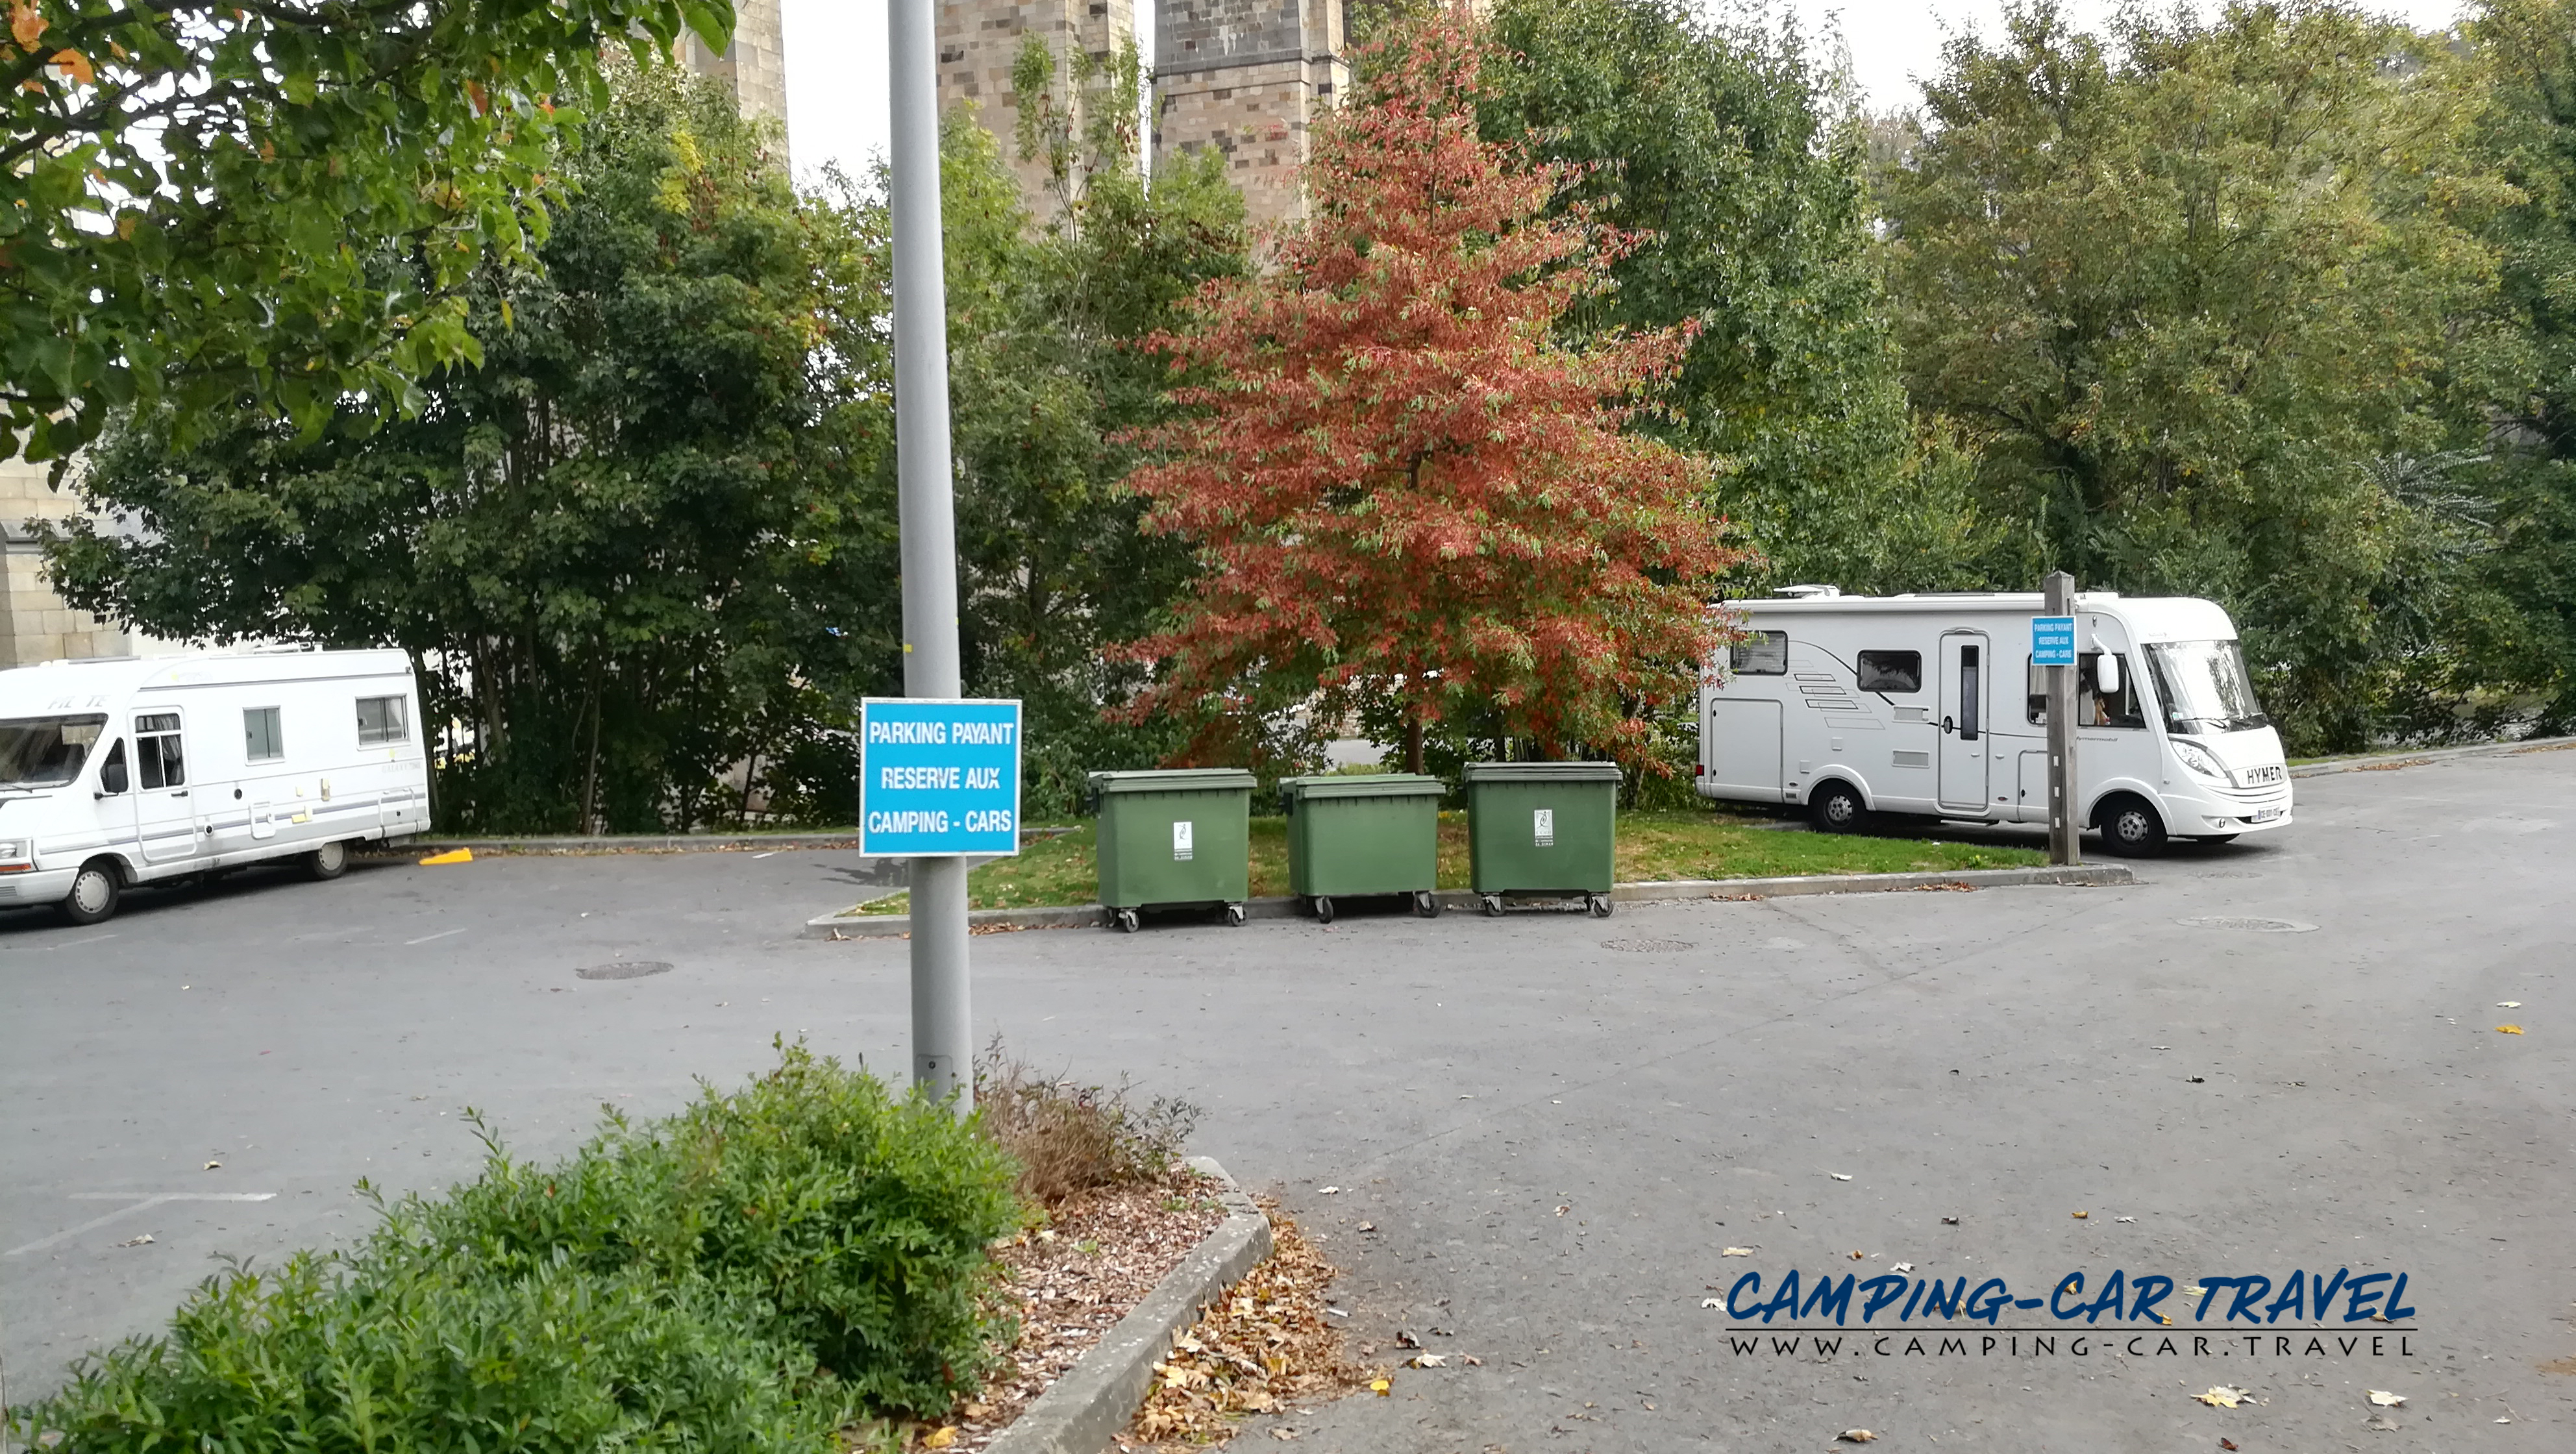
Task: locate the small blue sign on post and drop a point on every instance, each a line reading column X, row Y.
column 2052, row 641
column 939, row 777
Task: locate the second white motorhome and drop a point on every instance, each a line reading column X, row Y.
column 1929, row 705
column 124, row 772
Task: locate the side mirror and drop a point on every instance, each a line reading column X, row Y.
column 2106, row 674
column 111, row 778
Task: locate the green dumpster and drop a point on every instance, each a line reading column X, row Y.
column 1352, row 835
column 1543, row 828
column 1178, row 838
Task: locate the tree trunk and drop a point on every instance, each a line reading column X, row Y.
column 1413, row 745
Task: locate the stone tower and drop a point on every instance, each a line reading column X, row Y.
column 1247, row 78
column 755, row 65
column 980, row 40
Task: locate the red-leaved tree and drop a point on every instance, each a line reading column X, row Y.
column 1412, row 498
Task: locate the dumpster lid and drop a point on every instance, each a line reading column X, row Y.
column 1542, row 772
column 1364, row 785
column 1173, row 780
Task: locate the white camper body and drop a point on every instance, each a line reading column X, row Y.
column 1929, row 705
column 124, row 772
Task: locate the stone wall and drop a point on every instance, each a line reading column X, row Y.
column 1247, row 78
column 979, row 40
column 755, row 65
column 35, row 625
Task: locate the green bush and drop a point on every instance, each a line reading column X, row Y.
column 418, row 1353
column 751, row 1274
column 856, row 1218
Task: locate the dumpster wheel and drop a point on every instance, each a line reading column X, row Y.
column 1598, row 905
column 1493, row 904
column 1234, row 915
column 1323, row 909
column 1427, row 904
column 1125, row 919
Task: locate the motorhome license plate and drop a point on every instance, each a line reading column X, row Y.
column 2265, row 816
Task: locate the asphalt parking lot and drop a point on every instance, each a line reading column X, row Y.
column 1556, row 1127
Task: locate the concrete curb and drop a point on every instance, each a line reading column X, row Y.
column 887, row 926
column 1083, row 1410
column 2386, row 761
column 654, row 842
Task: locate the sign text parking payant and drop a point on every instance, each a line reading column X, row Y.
column 939, row 777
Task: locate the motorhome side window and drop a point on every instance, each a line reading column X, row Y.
column 1891, row 671
column 1760, row 654
column 156, row 750
column 382, row 720
column 2093, row 706
column 262, row 740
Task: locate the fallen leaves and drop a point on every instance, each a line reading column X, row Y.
column 143, row 1241
column 2508, row 1004
column 2508, row 1029
column 1902, row 1267
column 940, row 1438
column 2226, row 1443
column 1069, row 1283
column 214, row 1166
column 2080, row 1216
column 2124, row 1219
column 1856, row 1436
column 1736, row 1252
column 1326, row 1191
column 1428, row 1360
column 2222, row 1396
column 1269, row 1343
column 2386, row 1400
column 1839, row 1175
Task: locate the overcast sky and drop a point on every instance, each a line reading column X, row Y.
column 836, row 57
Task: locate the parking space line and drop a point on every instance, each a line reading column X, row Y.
column 425, row 938
column 135, row 1202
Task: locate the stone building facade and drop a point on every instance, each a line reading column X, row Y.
column 1248, row 79
column 35, row 625
column 979, row 42
column 1245, row 78
column 755, row 65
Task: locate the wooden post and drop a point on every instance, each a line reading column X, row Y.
column 2065, row 833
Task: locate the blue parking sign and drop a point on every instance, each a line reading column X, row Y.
column 2052, row 641
column 939, row 777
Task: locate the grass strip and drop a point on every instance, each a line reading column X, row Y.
column 1670, row 843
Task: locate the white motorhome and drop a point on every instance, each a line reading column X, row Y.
column 1928, row 704
column 123, row 772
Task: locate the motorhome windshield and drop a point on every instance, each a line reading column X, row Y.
column 2204, row 687
column 46, row 752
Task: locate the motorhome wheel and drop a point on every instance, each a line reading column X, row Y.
column 1835, row 808
column 2130, row 828
column 95, row 890
column 328, row 861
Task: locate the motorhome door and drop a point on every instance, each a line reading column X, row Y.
column 1967, row 674
column 165, row 815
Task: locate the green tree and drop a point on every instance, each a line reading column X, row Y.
column 1049, row 371
column 2528, row 48
column 273, row 204
column 2211, row 304
column 1726, row 147
column 642, row 541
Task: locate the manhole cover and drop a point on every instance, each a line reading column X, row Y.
column 2245, row 922
column 1647, row 946
column 624, row 969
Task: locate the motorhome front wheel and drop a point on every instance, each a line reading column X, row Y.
column 93, row 896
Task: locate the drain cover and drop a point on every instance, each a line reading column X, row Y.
column 1647, row 946
column 624, row 969
column 2240, row 921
